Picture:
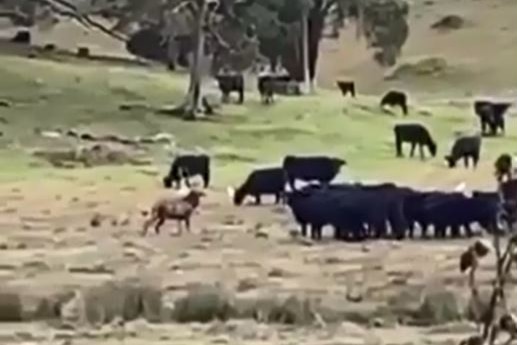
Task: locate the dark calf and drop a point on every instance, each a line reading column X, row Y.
column 415, row 134
column 465, row 147
column 346, row 87
column 266, row 88
column 395, row 98
column 503, row 167
column 320, row 168
column 260, row 182
column 22, row 36
column 186, row 166
column 491, row 116
column 229, row 84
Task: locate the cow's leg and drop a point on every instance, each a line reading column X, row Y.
column 241, row 95
column 475, row 160
column 158, row 225
column 421, row 151
column 398, row 146
column 412, row 152
column 468, row 230
column 466, row 161
column 257, row 199
column 455, row 231
column 303, row 229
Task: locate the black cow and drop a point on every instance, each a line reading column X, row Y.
column 314, row 208
column 260, row 182
column 491, row 116
column 320, row 168
column 465, row 147
column 415, row 134
column 266, row 88
column 186, row 166
column 349, row 208
column 231, row 83
column 395, row 98
column 503, row 167
column 346, row 87
column 22, row 36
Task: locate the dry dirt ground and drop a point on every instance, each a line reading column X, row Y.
column 47, row 243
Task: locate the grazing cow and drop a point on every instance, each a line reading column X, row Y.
column 491, row 116
column 176, row 208
column 346, row 87
column 503, row 167
column 465, row 147
column 439, row 209
column 320, row 168
column 462, row 211
column 231, row 83
column 186, row 166
column 348, row 208
column 415, row 134
column 395, row 98
column 260, row 182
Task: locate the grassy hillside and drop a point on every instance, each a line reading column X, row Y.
column 480, row 56
column 47, row 95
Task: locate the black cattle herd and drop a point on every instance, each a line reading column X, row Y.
column 359, row 211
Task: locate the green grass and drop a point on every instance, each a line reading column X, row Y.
column 48, row 94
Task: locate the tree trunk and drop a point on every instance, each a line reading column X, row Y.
column 305, row 56
column 193, row 97
column 293, row 62
column 316, row 23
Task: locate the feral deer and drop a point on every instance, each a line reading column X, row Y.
column 173, row 208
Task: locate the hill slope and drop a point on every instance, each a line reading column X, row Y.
column 481, row 54
column 48, row 94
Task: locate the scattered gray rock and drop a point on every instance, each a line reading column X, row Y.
column 439, row 306
column 449, row 22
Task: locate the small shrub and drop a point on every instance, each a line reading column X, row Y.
column 203, row 304
column 439, row 307
column 11, row 309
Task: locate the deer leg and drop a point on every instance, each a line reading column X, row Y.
column 180, row 227
column 147, row 224
column 187, row 224
column 159, row 225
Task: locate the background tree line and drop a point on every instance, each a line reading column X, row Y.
column 234, row 33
